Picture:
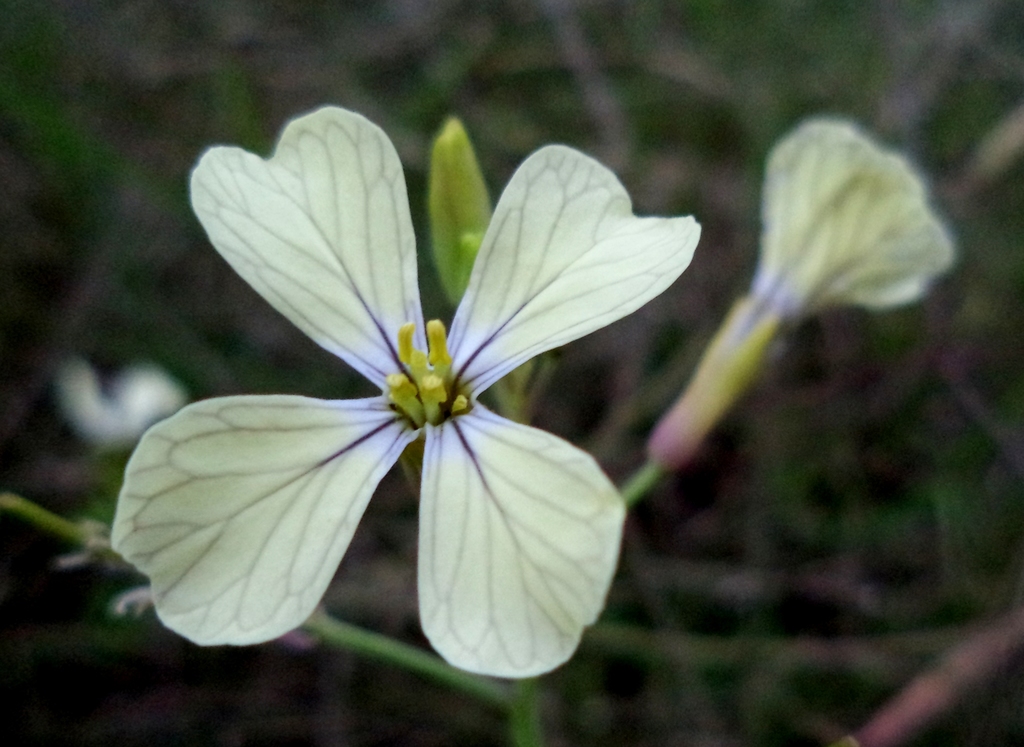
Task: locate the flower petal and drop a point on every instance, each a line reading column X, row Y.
column 519, row 538
column 845, row 221
column 240, row 508
column 563, row 256
column 322, row 231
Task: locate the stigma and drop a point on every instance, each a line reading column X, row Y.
column 424, row 391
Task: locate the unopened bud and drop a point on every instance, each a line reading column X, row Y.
column 460, row 208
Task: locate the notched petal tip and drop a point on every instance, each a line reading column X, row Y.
column 321, row 230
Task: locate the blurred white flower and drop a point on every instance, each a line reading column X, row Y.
column 117, row 414
column 845, row 221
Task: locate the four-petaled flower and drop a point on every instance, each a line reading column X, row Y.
column 240, row 508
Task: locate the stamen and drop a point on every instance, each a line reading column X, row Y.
column 438, row 340
column 421, row 392
column 405, row 333
column 404, row 394
column 440, row 359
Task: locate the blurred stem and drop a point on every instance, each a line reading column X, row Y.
column 327, row 629
column 729, row 366
column 971, row 664
column 41, row 519
column 343, row 635
column 90, row 535
column 641, row 482
column 524, row 719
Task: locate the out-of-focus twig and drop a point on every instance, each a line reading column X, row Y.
column 934, row 693
column 925, row 66
column 691, row 70
column 597, row 93
column 1000, row 148
column 1009, row 441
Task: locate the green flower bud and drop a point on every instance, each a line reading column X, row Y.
column 460, row 208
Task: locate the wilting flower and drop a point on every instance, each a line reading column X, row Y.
column 240, row 508
column 845, row 221
column 116, row 415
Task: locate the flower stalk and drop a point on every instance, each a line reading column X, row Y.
column 728, row 367
column 340, row 634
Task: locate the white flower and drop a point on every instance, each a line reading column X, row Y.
column 845, row 221
column 240, row 508
column 137, row 397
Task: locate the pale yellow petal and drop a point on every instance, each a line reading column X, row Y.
column 519, row 539
column 563, row 256
column 845, row 221
column 322, row 231
column 239, row 509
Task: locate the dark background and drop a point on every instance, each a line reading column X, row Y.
column 854, row 517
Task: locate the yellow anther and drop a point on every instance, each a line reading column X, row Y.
column 398, row 381
column 438, row 340
column 405, row 333
column 399, row 384
column 432, row 388
column 460, row 404
column 433, row 394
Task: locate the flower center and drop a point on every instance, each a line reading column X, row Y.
column 424, row 392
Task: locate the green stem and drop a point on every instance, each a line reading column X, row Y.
column 524, row 719
column 327, row 629
column 90, row 535
column 41, row 519
column 641, row 482
column 382, row 648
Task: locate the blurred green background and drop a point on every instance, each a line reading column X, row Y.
column 851, row 520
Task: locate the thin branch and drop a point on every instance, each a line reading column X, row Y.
column 597, row 92
column 935, row 693
column 340, row 634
